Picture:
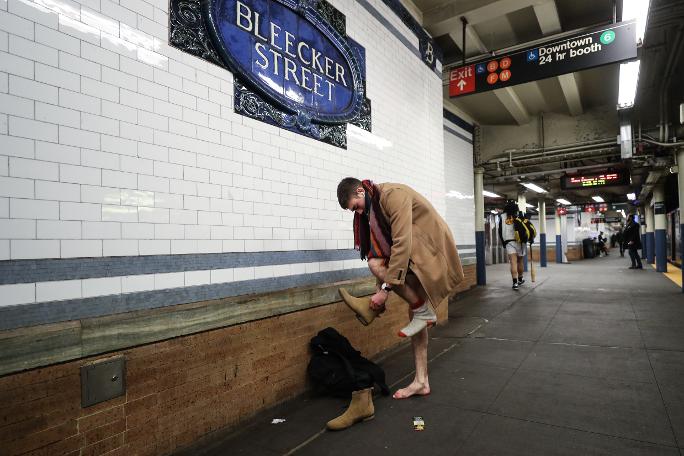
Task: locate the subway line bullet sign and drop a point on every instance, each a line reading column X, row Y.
column 600, row 46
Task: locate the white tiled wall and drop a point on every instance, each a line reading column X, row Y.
column 114, row 143
column 458, row 168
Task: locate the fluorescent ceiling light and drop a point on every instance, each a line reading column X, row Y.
column 490, row 194
column 564, row 201
column 631, row 196
column 534, row 187
column 530, row 205
column 598, row 199
column 494, row 212
column 629, row 79
column 636, row 9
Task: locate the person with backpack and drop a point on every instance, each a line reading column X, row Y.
column 410, row 251
column 514, row 235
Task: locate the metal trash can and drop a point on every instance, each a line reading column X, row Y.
column 588, row 250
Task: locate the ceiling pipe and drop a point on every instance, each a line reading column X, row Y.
column 550, row 153
column 573, row 169
column 663, row 144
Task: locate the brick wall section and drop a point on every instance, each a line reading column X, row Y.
column 574, row 253
column 181, row 389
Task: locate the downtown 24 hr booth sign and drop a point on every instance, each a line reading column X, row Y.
column 293, row 64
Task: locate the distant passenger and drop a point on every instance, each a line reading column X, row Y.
column 514, row 235
column 602, row 244
column 632, row 239
column 620, row 240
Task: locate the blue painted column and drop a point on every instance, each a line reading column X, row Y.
column 644, row 244
column 660, row 226
column 481, row 270
column 650, row 235
column 542, row 233
column 559, row 241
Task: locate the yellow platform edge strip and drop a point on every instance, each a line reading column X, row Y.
column 673, row 273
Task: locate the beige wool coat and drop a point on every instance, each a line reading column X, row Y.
column 421, row 241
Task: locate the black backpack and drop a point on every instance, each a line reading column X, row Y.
column 336, row 368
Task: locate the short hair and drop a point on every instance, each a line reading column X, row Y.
column 346, row 189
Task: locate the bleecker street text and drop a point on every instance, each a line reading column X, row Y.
column 281, row 52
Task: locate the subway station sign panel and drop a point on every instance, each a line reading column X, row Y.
column 601, row 46
column 294, row 65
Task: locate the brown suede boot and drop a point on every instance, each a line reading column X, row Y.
column 360, row 306
column 360, row 409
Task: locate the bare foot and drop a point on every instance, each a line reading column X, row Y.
column 414, row 389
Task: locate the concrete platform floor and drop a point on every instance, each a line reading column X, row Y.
column 589, row 360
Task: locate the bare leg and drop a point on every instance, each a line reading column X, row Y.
column 513, row 260
column 521, row 266
column 378, row 268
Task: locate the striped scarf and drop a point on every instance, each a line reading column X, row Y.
column 372, row 233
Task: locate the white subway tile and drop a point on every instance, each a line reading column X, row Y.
column 78, row 65
column 198, row 203
column 99, row 124
column 182, row 157
column 153, row 152
column 61, row 41
column 118, row 45
column 168, row 79
column 195, row 174
column 221, row 275
column 209, row 190
column 137, row 231
column 32, row 129
column 119, row 213
column 34, row 209
column 119, row 13
column 80, row 211
column 4, row 207
column 183, row 99
column 79, row 175
column 57, row 115
column 33, row 169
column 101, row 286
column 152, row 120
column 183, row 217
column 32, row 50
column 99, row 55
column 79, row 30
column 4, row 249
column 152, row 183
column 240, row 274
column 164, row 169
column 49, row 229
column 4, row 122
column 136, row 132
column 18, row 106
column 133, row 284
column 233, row 246
column 209, row 218
column 101, row 230
column 81, row 249
column 182, row 247
column 79, row 138
column 128, row 181
column 168, row 231
column 120, row 248
column 16, row 25
column 169, row 280
column 17, row 147
column 100, row 195
column 137, row 198
column 138, row 69
column 183, row 187
column 196, row 232
column 195, row 278
column 18, row 229
column 78, row 101
column 20, row 293
column 92, row 17
column 153, row 215
column 97, row 159
column 120, row 79
column 58, row 290
column 119, row 145
column 100, row 90
column 166, row 109
column 137, row 165
column 168, row 200
column 58, row 191
column 32, row 249
column 153, row 90
column 33, row 90
column 119, row 112
column 18, row 188
column 154, row 247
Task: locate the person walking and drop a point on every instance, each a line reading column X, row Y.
column 514, row 235
column 632, row 240
column 411, row 251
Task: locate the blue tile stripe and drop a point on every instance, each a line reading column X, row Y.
column 455, row 133
column 451, row 117
column 18, row 316
column 47, row 270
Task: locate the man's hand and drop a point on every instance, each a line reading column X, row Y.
column 378, row 300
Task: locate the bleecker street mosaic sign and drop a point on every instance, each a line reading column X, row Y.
column 604, row 45
column 293, row 64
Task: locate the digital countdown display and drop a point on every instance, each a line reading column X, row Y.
column 579, row 181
